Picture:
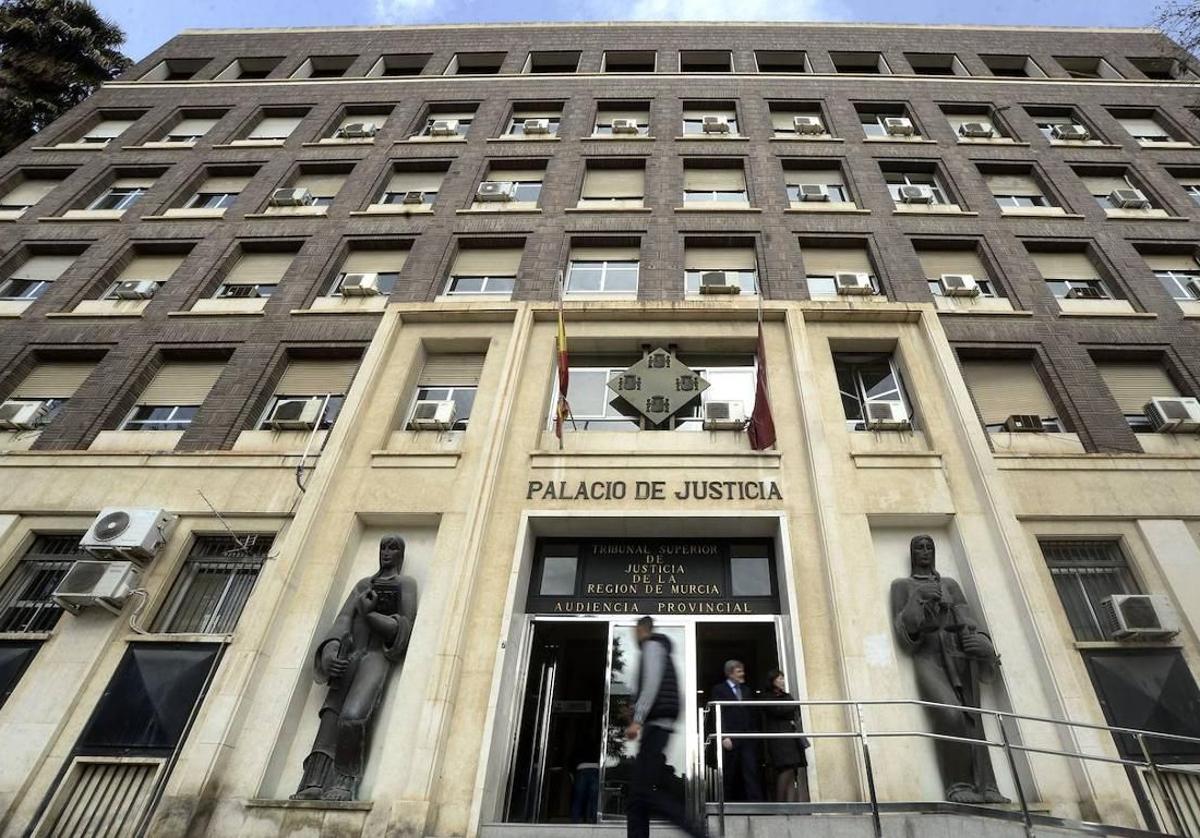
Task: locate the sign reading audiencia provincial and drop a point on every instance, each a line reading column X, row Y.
column 653, row 576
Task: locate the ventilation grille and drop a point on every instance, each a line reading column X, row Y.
column 102, row 798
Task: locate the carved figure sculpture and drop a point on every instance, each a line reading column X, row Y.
column 369, row 635
column 952, row 656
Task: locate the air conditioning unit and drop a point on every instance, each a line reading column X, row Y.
column 1174, row 415
column 239, row 292
column 624, row 126
column 1129, row 199
column 360, row 285
column 1070, row 131
column 536, row 126
column 17, row 415
column 976, row 129
column 433, row 415
column 887, row 416
column 916, row 194
column 813, row 192
column 1138, row 617
column 443, row 128
column 138, row 289
column 496, row 190
column 724, row 416
column 718, row 282
column 128, row 532
column 854, row 284
column 413, row 196
column 959, row 285
column 1084, row 292
column 296, row 414
column 298, row 197
column 358, row 129
column 88, row 583
column 716, row 125
column 808, row 125
column 898, row 126
column 1024, row 423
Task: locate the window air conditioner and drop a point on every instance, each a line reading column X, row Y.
column 716, row 124
column 18, row 415
column 1129, row 199
column 976, row 129
column 916, row 194
column 853, row 284
column 138, row 289
column 1024, row 423
column 87, row 583
column 724, row 416
column 443, row 128
column 413, row 196
column 1084, row 292
column 717, row 282
column 297, row 197
column 238, row 292
column 1174, row 415
column 898, row 126
column 887, row 416
column 536, row 126
column 1138, row 617
column 808, row 125
column 433, row 415
column 1070, row 131
column 496, row 190
column 130, row 532
column 813, row 192
column 360, row 285
column 296, row 414
column 959, row 285
column 358, row 129
column 624, row 126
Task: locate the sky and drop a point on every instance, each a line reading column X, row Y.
column 149, row 23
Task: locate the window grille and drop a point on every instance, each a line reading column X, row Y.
column 214, row 584
column 1085, row 572
column 25, row 603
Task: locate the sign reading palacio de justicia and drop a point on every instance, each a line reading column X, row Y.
column 653, row 490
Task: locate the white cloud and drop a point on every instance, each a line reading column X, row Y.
column 408, row 11
column 767, row 10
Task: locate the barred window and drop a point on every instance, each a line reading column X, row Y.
column 1086, row 572
column 25, row 603
column 211, row 590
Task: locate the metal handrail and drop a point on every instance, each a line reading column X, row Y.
column 861, row 734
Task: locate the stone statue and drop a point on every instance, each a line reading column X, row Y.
column 952, row 656
column 369, row 635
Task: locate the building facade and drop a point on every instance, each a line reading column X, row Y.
column 300, row 289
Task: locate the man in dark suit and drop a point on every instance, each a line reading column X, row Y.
column 741, row 755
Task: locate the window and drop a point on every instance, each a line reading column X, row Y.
column 175, row 69
column 549, row 115
column 782, row 61
column 484, row 270
column 784, row 118
column 831, row 179
column 1162, row 69
column 526, row 186
column 385, row 265
column 629, row 61
column 1145, row 127
column 122, row 194
column 25, row 603
column 171, row 400
column 614, row 187
column 456, row 120
column 637, row 113
column 822, row 264
column 475, row 64
column 15, row 657
column 874, row 120
column 1013, row 66
column 705, row 61
column 255, row 274
column 406, row 182
column 52, row 383
column 399, row 65
column 603, row 270
column 1004, row 388
column 1179, row 274
column 1015, row 189
column 324, row 67
column 326, row 379
column 1057, row 125
column 1189, row 181
column 1133, row 384
column 1085, row 573
column 451, row 377
column 564, row 61
column 870, row 63
column 935, row 64
column 964, row 260
column 896, row 180
column 246, row 69
column 865, row 379
column 275, row 126
column 28, row 191
column 146, row 267
column 105, row 131
column 32, row 277
column 323, row 185
column 219, row 190
column 214, row 584
column 1087, row 67
column 1102, row 183
column 975, row 118
column 695, row 112
column 348, row 127
column 190, row 129
column 704, row 185
column 736, row 261
column 1071, row 275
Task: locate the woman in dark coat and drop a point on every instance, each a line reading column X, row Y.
column 785, row 757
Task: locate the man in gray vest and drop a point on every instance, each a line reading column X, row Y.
column 654, row 713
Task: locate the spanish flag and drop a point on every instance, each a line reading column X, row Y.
column 562, row 410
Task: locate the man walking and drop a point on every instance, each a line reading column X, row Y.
column 741, row 755
column 654, row 713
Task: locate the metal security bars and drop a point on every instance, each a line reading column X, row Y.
column 1085, row 572
column 103, row 797
column 25, row 603
column 214, row 584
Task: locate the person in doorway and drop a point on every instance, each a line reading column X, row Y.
column 654, row 713
column 785, row 756
column 741, row 755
